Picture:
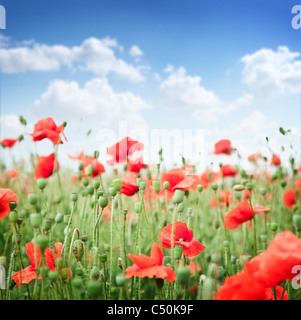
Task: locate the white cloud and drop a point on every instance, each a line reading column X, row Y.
column 135, row 51
column 95, row 55
column 268, row 72
column 10, row 126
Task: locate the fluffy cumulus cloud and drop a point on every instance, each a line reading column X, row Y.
column 135, row 51
column 96, row 55
column 10, row 126
column 269, row 73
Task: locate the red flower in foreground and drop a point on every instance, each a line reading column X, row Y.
column 242, row 213
column 269, row 295
column 45, row 167
column 136, row 165
column 98, row 168
column 228, row 170
column 29, row 273
column 145, row 266
column 8, row 143
column 188, row 183
column 129, row 185
column 289, row 198
column 275, row 160
column 122, row 149
column 46, row 128
column 173, row 176
column 223, row 147
column 6, row 195
column 182, row 237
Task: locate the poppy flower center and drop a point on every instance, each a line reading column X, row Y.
column 182, row 239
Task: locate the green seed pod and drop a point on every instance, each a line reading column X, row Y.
column 24, row 213
column 297, row 221
column 96, row 184
column 85, row 181
column 181, row 207
column 249, row 186
column 99, row 194
column 42, row 242
column 117, row 184
column 263, row 237
column 84, row 238
column 41, row 183
column 166, row 260
column 79, row 176
column 220, row 274
column 178, row 196
column 74, row 197
column 263, row 191
column 138, row 207
column 165, row 185
column 274, row 176
column 94, row 289
column 112, row 191
column 96, row 154
column 216, row 257
column 89, row 170
column 178, row 252
column 58, row 199
column 60, row 262
column 189, row 211
column 125, row 166
column 142, row 185
column 295, row 208
column 66, row 218
column 44, row 271
column 200, row 188
column 32, row 198
column 214, row 186
column 216, row 223
column 103, row 201
column 78, row 250
column 79, row 271
column 103, row 258
column 47, row 224
column 183, row 274
column 106, row 247
column 274, row 226
column 243, row 174
column 233, row 259
column 59, row 218
column 283, row 183
column 35, row 220
column 80, row 167
column 157, row 185
column 239, row 188
column 63, row 274
column 95, row 273
column 19, row 221
column 120, row 279
column 90, row 190
column 208, row 289
column 52, row 275
column 2, row 261
column 12, row 205
column 13, row 216
column 43, row 213
column 77, row 282
column 226, row 243
column 244, row 258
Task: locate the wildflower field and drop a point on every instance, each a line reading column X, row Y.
column 137, row 232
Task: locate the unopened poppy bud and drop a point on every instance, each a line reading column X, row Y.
column 274, row 176
column 35, row 220
column 99, row 194
column 89, row 170
column 157, row 185
column 226, row 243
column 96, row 154
column 119, row 262
column 47, row 224
column 59, row 218
column 220, row 274
column 183, row 274
column 249, row 186
column 32, row 198
column 19, row 221
column 180, row 207
column 77, row 283
column 79, row 175
column 178, row 196
column 295, row 207
column 263, row 191
column 103, row 258
column 216, row 223
column 149, row 175
column 79, row 272
column 90, row 190
column 24, row 213
column 138, row 207
column 95, row 273
column 263, row 237
column 78, row 250
column 216, row 257
column 42, row 242
column 200, row 188
column 52, row 275
column 283, row 183
column 165, row 185
column 84, row 238
column 117, row 184
column 85, row 181
column 12, row 205
column 43, row 213
column 112, row 191
column 106, row 247
column 13, row 216
column 120, row 279
column 94, row 289
column 96, row 184
column 74, row 197
column 189, row 211
column 125, row 166
column 274, row 226
column 63, row 274
column 58, row 199
column 125, row 212
column 297, row 221
column 239, row 187
column 103, row 201
column 2, row 261
column 214, row 186
column 243, row 174
column 166, row 260
column 60, row 262
column 44, row 271
column 66, row 218
column 42, row 183
column 142, row 185
column 178, row 252
column 233, row 259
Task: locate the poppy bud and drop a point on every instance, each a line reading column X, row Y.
column 84, row 238
column 59, row 218
column 117, row 184
column 178, row 196
column 74, row 197
column 216, row 223
column 274, row 226
column 138, row 207
column 214, row 186
column 233, row 259
column 60, row 262
column 12, row 205
column 216, row 257
column 77, row 282
column 226, row 243
column 19, row 221
column 103, row 258
column 178, row 252
column 142, row 185
column 119, row 261
column 52, row 275
column 35, row 220
column 47, row 224
column 239, row 187
column 96, row 154
column 189, row 211
column 149, row 175
column 103, row 201
column 183, row 274
column 44, row 271
column 89, row 170
column 95, row 273
column 220, row 274
column 283, row 183
column 297, row 221
column 106, row 247
column 85, row 182
column 78, row 250
column 200, row 188
column 32, row 198
column 66, row 218
column 2, row 261
column 243, row 174
column 79, row 175
column 125, row 166
column 63, row 274
column 96, row 184
column 274, row 176
column 90, row 190
column 249, row 186
column 166, row 260
column 120, row 279
column 42, row 183
column 94, row 289
column 180, row 207
column 112, row 191
column 165, row 185
column 13, row 216
column 42, row 242
column 43, row 212
column 208, row 289
column 157, row 185
column 295, row 207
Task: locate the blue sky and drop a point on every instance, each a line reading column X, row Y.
column 230, row 68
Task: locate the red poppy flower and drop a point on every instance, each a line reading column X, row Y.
column 173, row 176
column 8, row 143
column 45, row 167
column 29, row 273
column 275, row 160
column 79, row 156
column 299, row 169
column 98, row 168
column 136, row 165
column 182, row 237
column 129, row 185
column 289, row 198
column 6, row 196
column 223, row 147
column 208, row 177
column 240, row 214
column 122, row 149
column 269, row 295
column 298, row 185
column 224, row 198
column 228, row 170
column 188, row 183
column 254, row 157
column 145, row 266
column 12, row 174
column 46, row 128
